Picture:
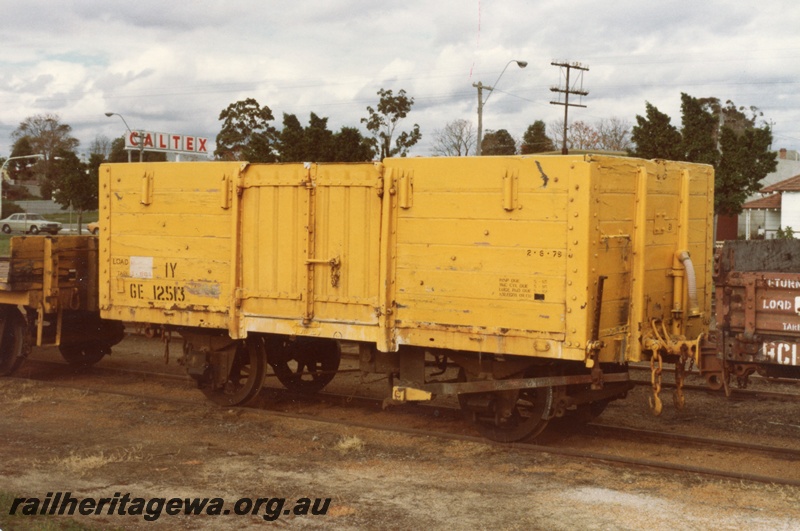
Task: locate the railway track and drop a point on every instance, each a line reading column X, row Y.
column 613, row 445
column 735, row 393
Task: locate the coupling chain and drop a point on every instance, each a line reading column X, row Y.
column 678, row 397
column 656, row 366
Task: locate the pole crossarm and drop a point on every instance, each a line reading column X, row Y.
column 567, row 91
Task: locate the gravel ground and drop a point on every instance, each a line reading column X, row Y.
column 101, row 445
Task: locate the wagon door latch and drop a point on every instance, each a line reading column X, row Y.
column 335, row 264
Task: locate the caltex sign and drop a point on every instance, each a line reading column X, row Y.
column 174, row 143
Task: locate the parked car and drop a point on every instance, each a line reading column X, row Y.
column 93, row 227
column 28, row 223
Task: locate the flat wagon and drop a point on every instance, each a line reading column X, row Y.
column 757, row 311
column 537, row 277
column 48, row 296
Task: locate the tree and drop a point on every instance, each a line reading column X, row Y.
column 583, row 136
column 318, row 144
column 246, row 133
column 655, row 137
column 349, row 145
column 101, row 145
column 292, row 145
column 23, row 169
column 745, row 159
column 614, row 133
column 46, row 134
column 721, row 135
column 318, row 140
column 700, row 132
column 382, row 124
column 498, row 143
column 455, row 140
column 76, row 183
column 535, row 139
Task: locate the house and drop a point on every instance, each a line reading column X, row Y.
column 777, row 205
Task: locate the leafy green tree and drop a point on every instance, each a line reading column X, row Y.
column 535, row 139
column 498, row 143
column 724, row 136
column 246, row 133
column 75, row 183
column 316, row 143
column 745, row 159
column 318, row 140
column 349, row 145
column 382, row 124
column 292, row 140
column 655, row 137
column 700, row 131
column 23, row 169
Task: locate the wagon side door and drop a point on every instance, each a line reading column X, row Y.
column 310, row 240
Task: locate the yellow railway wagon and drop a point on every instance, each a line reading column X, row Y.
column 538, row 277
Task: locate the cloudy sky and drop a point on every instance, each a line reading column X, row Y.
column 173, row 66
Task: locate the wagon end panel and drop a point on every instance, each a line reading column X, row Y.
column 167, row 242
column 310, row 249
column 673, row 259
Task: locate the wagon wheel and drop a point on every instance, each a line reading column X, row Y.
column 245, row 377
column 528, row 416
column 14, row 342
column 305, row 365
column 82, row 355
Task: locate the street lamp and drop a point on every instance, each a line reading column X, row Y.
column 141, row 148
column 5, row 175
column 480, row 86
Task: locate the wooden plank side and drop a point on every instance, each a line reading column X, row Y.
column 167, row 235
column 470, row 256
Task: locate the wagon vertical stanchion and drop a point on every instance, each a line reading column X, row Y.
column 524, row 285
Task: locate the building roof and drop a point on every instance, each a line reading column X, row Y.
column 771, row 201
column 792, row 184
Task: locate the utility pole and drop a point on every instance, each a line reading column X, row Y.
column 567, row 90
column 480, row 86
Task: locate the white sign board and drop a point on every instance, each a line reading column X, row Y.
column 166, row 142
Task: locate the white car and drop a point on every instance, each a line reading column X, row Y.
column 28, row 223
